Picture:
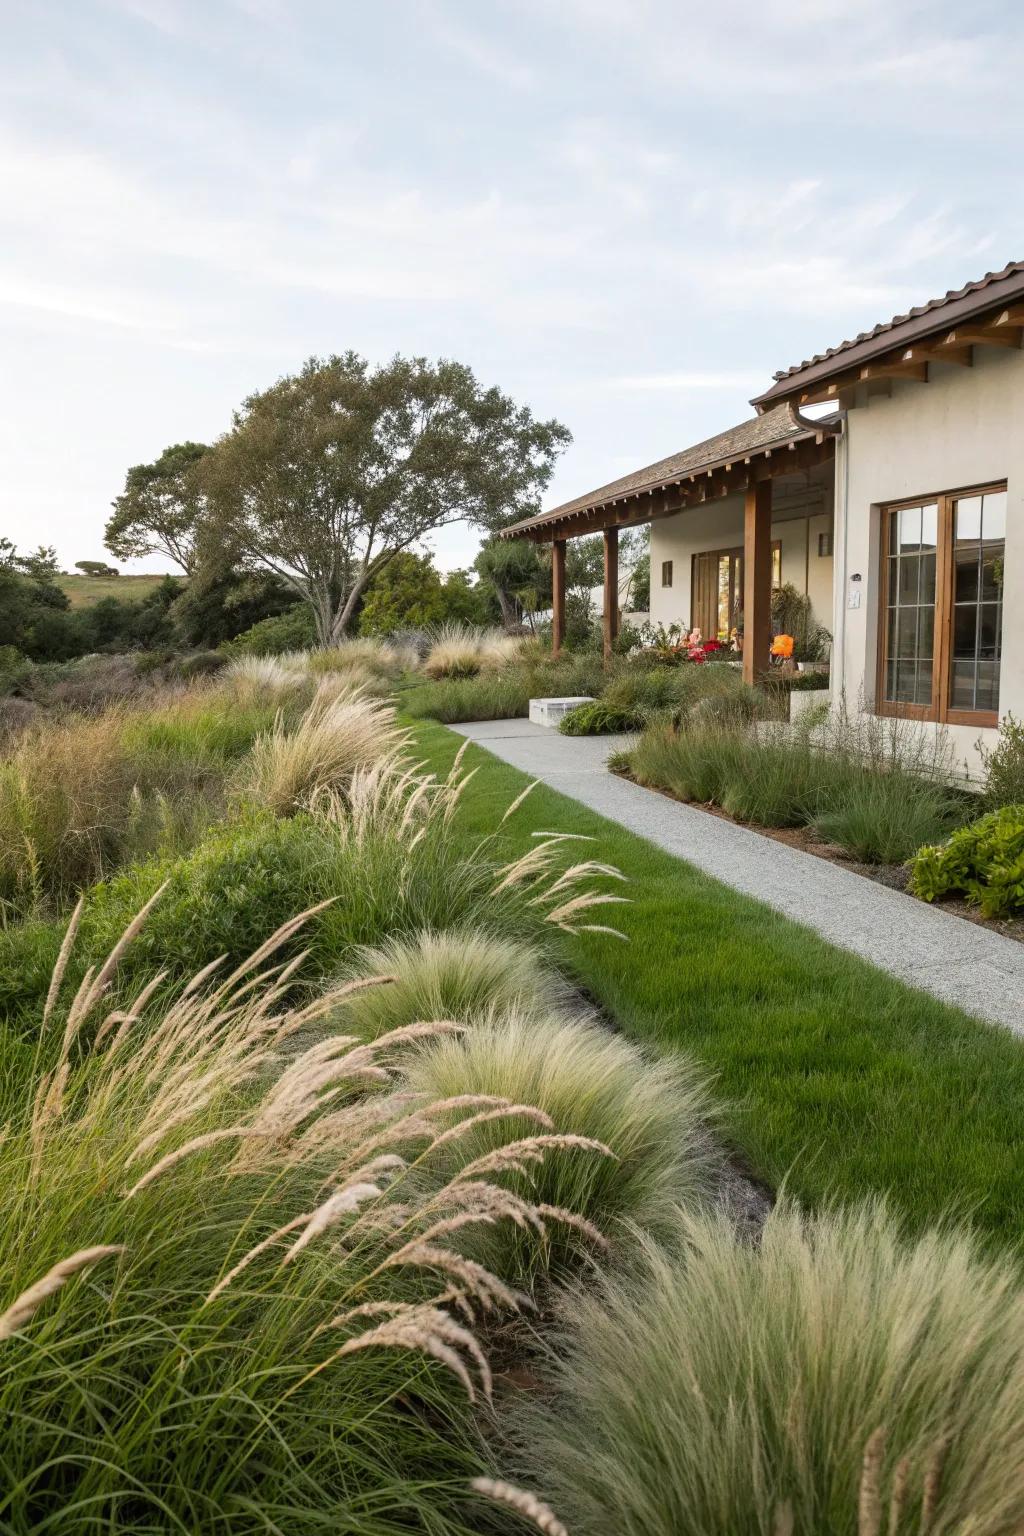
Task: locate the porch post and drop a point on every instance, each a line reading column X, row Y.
column 611, row 589
column 557, row 595
column 757, row 579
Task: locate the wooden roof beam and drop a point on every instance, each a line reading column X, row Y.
column 963, row 356
column 1008, row 335
column 917, row 373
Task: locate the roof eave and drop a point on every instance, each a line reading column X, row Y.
column 917, row 328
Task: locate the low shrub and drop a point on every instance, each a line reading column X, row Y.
column 292, row 630
column 598, row 718
column 493, row 696
column 460, row 974
column 802, row 1384
column 228, row 1293
column 652, row 1112
column 983, row 861
column 1004, row 766
column 882, row 818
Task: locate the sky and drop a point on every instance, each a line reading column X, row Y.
column 626, row 213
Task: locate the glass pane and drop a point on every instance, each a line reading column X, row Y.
column 777, row 567
column 993, row 521
column 923, row 692
column 965, row 631
column 962, row 691
column 987, row 690
column 927, row 563
column 989, row 637
column 906, row 682
column 906, row 640
column 929, row 526
column 925, row 633
column 890, row 680
column 968, row 520
column 892, row 619
column 724, row 573
column 910, row 527
column 992, row 574
column 909, row 575
column 965, row 579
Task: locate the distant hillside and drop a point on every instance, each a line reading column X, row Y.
column 84, row 591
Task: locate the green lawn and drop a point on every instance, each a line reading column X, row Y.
column 86, row 591
column 832, row 1075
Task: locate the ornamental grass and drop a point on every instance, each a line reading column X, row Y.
column 459, row 650
column 834, row 1377
column 231, row 1295
column 458, row 973
column 340, row 733
column 653, row 1112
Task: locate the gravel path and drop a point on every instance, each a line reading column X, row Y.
column 957, row 961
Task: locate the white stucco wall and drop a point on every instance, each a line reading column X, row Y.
column 720, row 526
column 965, row 427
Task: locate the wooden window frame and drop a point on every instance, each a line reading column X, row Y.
column 666, row 568
column 939, row 711
column 735, row 552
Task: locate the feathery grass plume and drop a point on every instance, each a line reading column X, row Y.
column 365, row 655
column 334, row 739
column 523, row 1502
column 461, row 974
column 277, row 1338
column 459, row 650
column 264, row 677
column 700, row 1390
column 654, row 1113
column 25, row 1306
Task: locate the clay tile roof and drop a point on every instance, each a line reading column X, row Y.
column 995, row 288
column 748, row 439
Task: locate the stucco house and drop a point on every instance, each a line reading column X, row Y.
column 898, row 510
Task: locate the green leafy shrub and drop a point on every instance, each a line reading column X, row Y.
column 777, row 1386
column 599, row 718
column 983, row 861
column 1004, row 766
column 292, row 630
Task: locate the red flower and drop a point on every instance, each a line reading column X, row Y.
column 713, row 645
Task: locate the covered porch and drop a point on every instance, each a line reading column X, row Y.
column 718, row 543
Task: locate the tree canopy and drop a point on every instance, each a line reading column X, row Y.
column 331, row 472
column 160, row 510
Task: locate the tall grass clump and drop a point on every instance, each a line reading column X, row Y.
column 652, row 1112
column 459, row 650
column 339, row 734
column 884, row 818
column 263, row 678
column 229, row 1293
column 834, row 1377
column 492, row 696
column 457, row 974
column 385, row 658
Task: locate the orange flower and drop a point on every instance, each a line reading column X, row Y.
column 782, row 646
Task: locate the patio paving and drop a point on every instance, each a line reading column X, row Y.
column 956, row 960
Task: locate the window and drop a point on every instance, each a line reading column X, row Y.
column 942, row 607
column 717, row 590
column 666, row 573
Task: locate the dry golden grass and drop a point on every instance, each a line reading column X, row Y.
column 339, row 735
